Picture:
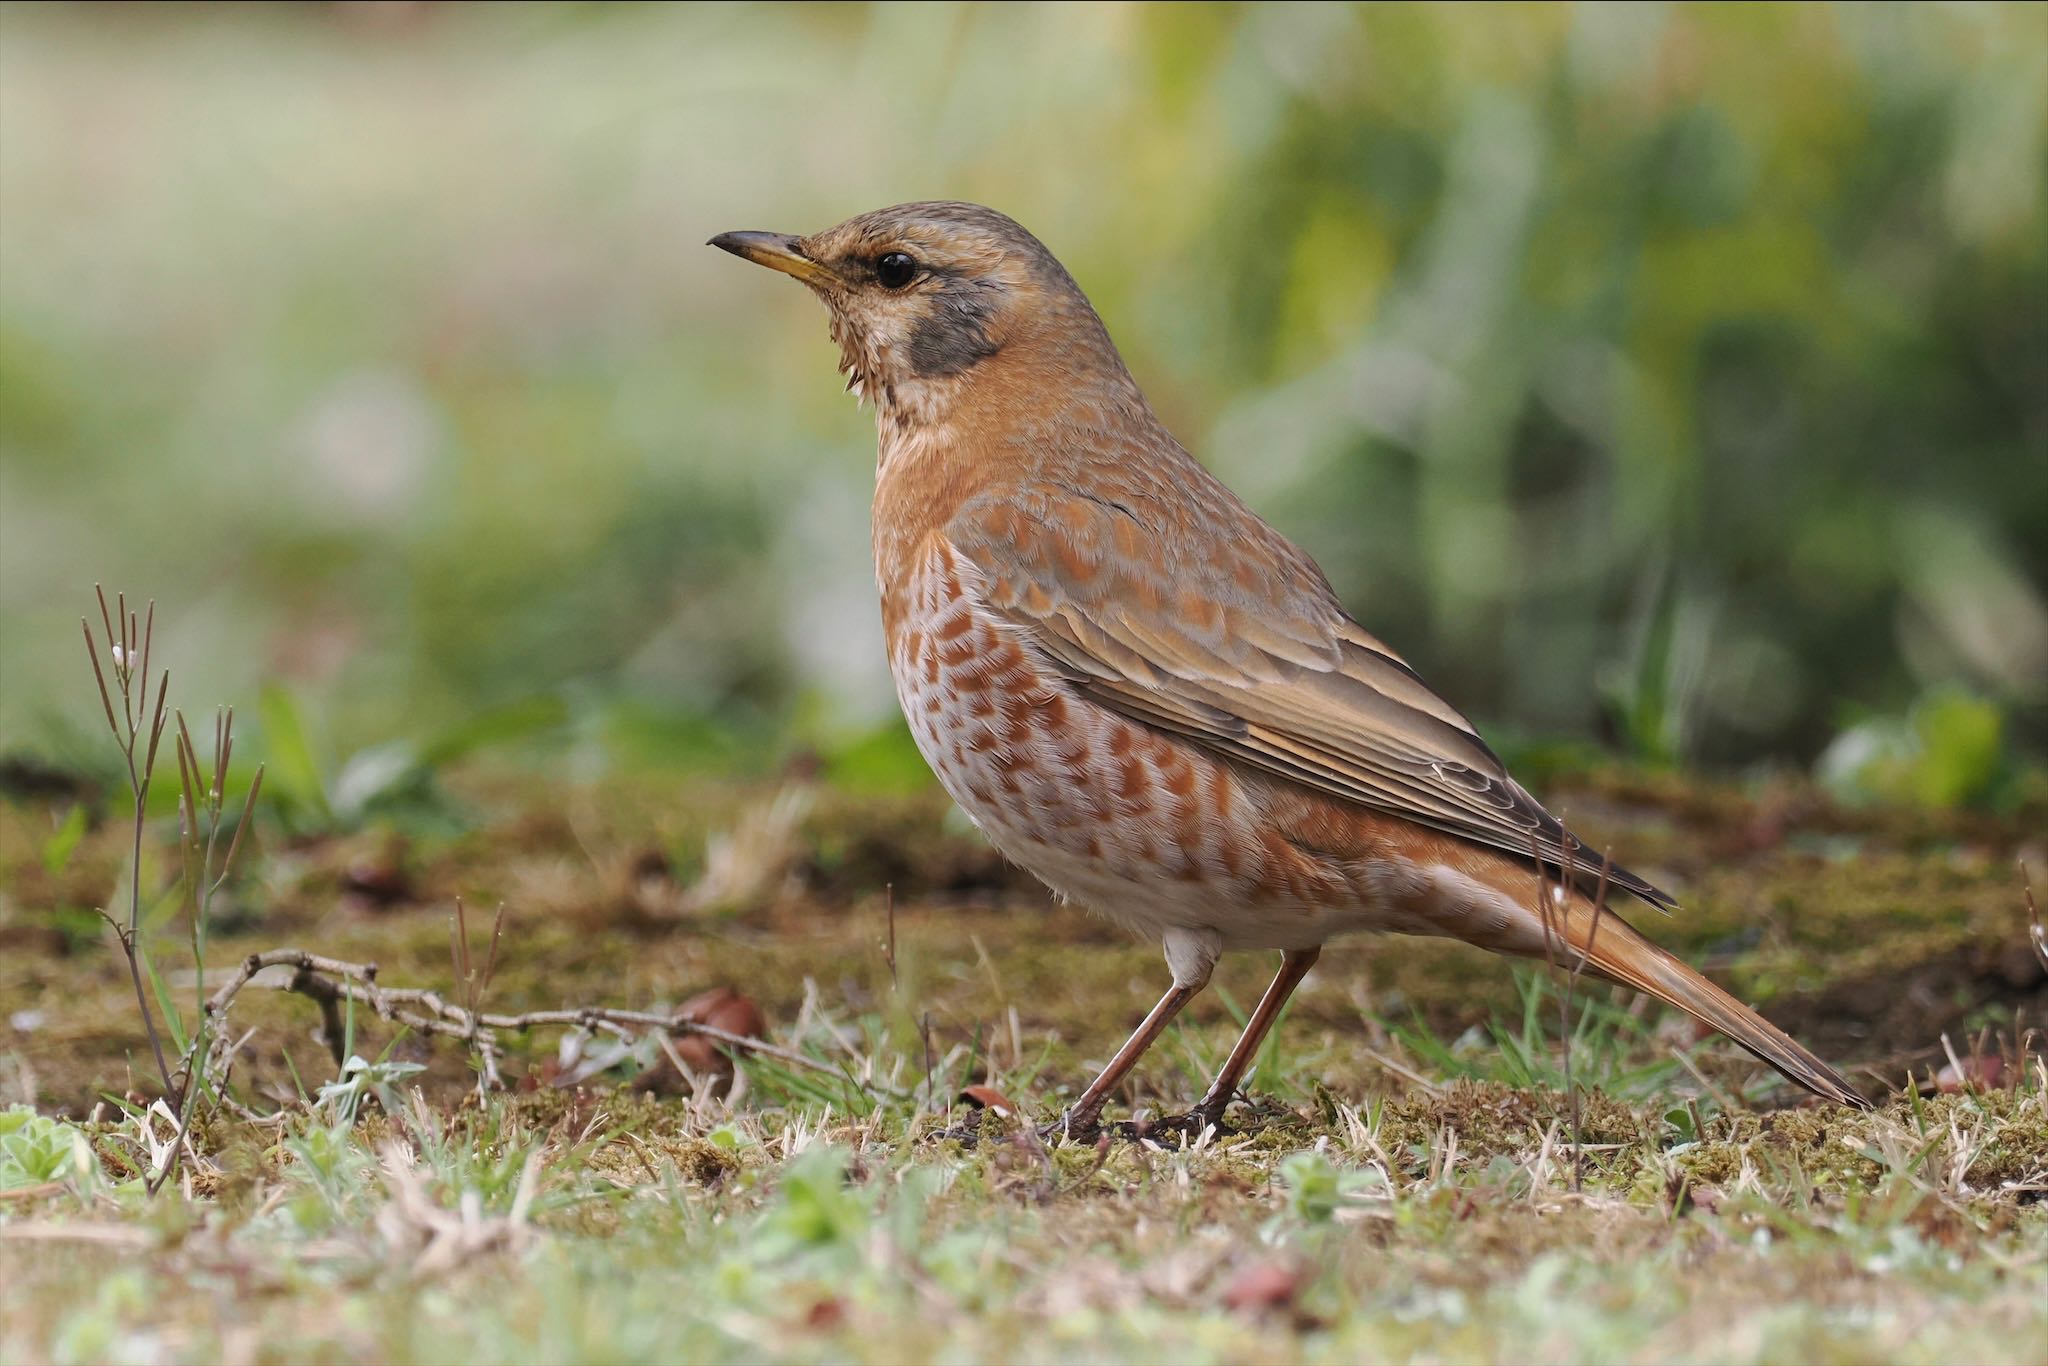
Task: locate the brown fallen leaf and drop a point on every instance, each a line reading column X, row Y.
column 1263, row 1288
column 988, row 1098
column 378, row 880
column 721, row 1008
column 1983, row 1072
column 1684, row 1195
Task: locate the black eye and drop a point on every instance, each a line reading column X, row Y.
column 895, row 270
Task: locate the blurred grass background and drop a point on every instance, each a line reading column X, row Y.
column 1665, row 377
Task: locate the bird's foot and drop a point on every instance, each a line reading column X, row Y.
column 1088, row 1129
column 1170, row 1129
column 978, row 1127
column 1165, row 1130
column 967, row 1135
column 1072, row 1128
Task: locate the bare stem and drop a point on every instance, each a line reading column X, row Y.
column 127, row 731
column 2035, row 934
column 330, row 980
column 138, row 729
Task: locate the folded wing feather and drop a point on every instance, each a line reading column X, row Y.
column 1269, row 671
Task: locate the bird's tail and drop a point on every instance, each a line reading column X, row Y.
column 1617, row 951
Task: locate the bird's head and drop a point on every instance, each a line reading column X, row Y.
column 922, row 296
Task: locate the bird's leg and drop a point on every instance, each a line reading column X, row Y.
column 1081, row 1121
column 1192, row 957
column 1293, row 967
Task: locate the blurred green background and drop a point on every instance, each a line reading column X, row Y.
column 1671, row 378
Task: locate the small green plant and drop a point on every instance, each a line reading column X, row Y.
column 138, row 726
column 35, row 1149
column 1317, row 1188
column 1948, row 751
column 1653, row 698
column 359, row 1080
column 816, row 1208
column 63, row 841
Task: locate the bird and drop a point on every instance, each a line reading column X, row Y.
column 1145, row 695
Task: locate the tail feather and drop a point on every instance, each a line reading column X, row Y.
column 1617, row 951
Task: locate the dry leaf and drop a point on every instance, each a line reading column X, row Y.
column 988, row 1098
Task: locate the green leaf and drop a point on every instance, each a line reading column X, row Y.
column 520, row 720
column 35, row 1148
column 172, row 1021
column 293, row 772
column 1949, row 751
column 815, row 1207
column 371, row 776
column 1960, row 748
column 57, row 850
column 1680, row 1119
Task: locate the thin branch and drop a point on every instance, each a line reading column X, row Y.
column 322, row 979
column 2035, row 933
column 1557, row 925
column 889, row 948
column 1565, row 1033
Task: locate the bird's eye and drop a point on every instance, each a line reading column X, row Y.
column 895, row 270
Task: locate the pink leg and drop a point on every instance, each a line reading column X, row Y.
column 1081, row 1120
column 1293, row 968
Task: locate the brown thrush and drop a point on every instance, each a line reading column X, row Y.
column 1146, row 695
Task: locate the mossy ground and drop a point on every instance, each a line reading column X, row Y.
column 1403, row 1186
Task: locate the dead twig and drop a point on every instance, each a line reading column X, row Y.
column 473, row 982
column 435, row 1239
column 889, row 947
column 1553, row 907
column 1402, row 1070
column 1571, row 987
column 35, row 1192
column 332, row 981
column 2035, row 933
column 123, row 1236
column 1721, row 1097
column 924, row 1030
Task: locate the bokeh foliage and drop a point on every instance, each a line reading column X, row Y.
column 1675, row 376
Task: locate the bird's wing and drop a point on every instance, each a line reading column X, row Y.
column 1237, row 642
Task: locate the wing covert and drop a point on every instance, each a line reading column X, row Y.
column 1247, row 652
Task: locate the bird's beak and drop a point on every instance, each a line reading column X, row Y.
column 775, row 250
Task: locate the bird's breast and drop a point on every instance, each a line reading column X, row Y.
column 1139, row 825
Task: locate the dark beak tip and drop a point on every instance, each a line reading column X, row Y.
column 775, row 250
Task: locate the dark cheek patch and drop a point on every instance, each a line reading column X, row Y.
column 953, row 334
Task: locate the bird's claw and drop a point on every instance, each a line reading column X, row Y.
column 1190, row 1126
column 1069, row 1128
column 1088, row 1130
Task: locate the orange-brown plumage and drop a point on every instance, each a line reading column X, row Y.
column 1142, row 692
